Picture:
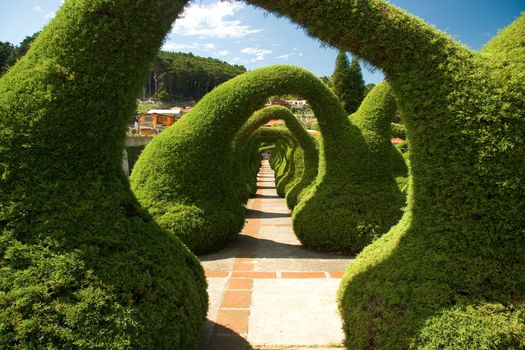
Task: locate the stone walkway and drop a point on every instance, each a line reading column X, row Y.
column 266, row 291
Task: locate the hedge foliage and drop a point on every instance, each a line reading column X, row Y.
column 451, row 274
column 195, row 200
column 370, row 181
column 307, row 159
column 81, row 264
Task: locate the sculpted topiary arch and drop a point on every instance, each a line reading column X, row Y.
column 373, row 118
column 81, row 264
column 194, row 199
column 454, row 265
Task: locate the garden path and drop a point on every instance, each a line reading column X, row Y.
column 267, row 291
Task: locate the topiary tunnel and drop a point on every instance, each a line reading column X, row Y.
column 305, row 141
column 282, row 156
column 81, row 264
column 451, row 274
column 195, row 200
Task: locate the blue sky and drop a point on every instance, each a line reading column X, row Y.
column 241, row 34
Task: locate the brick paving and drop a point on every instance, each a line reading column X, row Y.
column 266, row 291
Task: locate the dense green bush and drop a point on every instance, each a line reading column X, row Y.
column 453, row 267
column 195, row 199
column 241, row 162
column 373, row 118
column 81, row 264
column 372, row 181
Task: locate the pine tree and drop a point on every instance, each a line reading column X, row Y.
column 348, row 82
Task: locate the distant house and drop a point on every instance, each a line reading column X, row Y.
column 297, row 103
column 156, row 120
column 277, row 102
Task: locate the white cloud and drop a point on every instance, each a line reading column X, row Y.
column 300, row 54
column 47, row 15
column 258, row 54
column 208, row 46
column 176, row 47
column 209, row 21
column 223, row 53
column 286, row 56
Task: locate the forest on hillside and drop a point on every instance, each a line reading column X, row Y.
column 173, row 76
column 184, row 76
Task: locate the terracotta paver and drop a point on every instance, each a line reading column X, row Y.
column 266, row 290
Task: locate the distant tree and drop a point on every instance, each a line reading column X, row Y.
column 326, row 80
column 6, row 50
column 348, row 83
column 162, row 96
column 185, row 76
column 9, row 53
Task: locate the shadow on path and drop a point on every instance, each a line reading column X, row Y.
column 259, row 214
column 250, row 247
column 218, row 337
column 266, row 196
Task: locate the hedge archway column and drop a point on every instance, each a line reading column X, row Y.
column 454, row 264
column 81, row 264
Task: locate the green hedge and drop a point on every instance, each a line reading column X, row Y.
column 372, row 181
column 195, row 200
column 451, row 273
column 373, row 119
column 81, row 264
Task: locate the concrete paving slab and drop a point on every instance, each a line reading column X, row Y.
column 216, row 287
column 294, row 311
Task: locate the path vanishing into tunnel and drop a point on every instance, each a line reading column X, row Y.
column 267, row 291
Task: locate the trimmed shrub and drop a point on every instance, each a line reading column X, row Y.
column 81, row 264
column 383, row 199
column 373, row 119
column 458, row 251
column 195, row 199
column 284, row 166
